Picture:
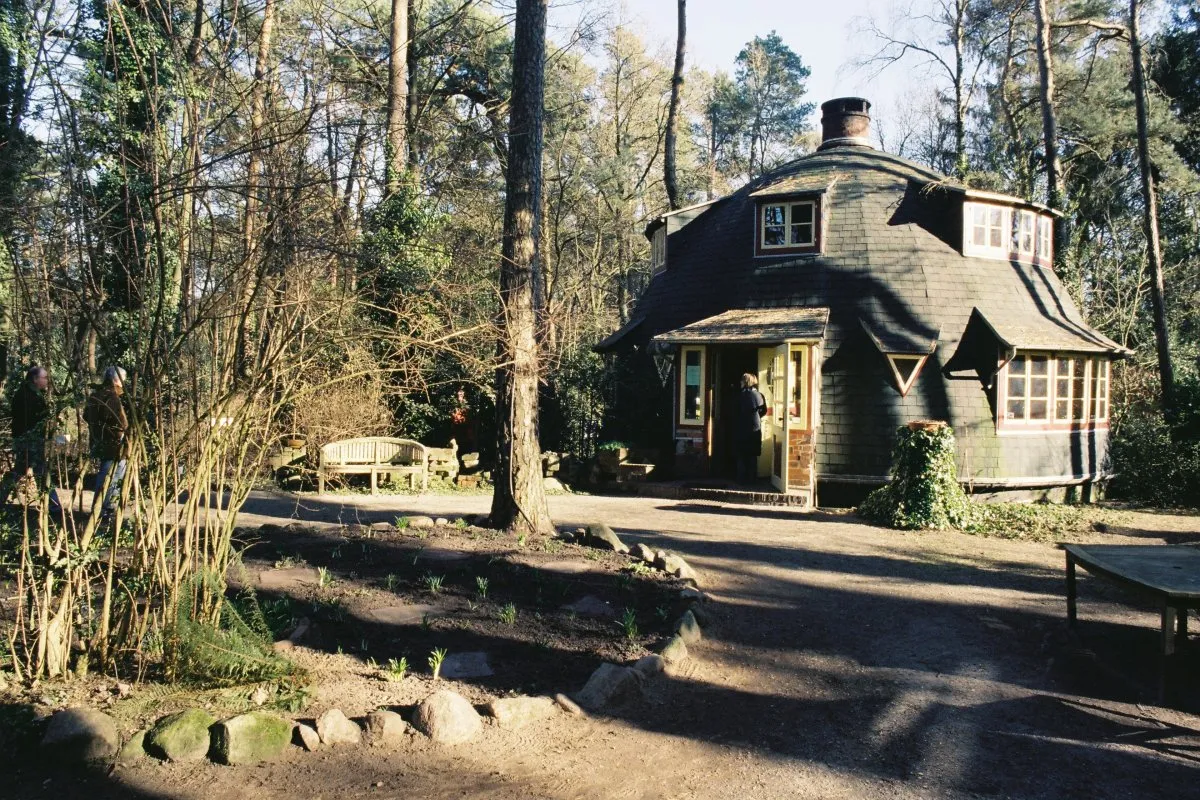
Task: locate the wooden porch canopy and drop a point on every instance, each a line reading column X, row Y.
column 753, row 326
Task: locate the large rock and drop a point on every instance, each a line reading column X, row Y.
column 650, row 665
column 674, row 565
column 420, row 522
column 385, row 729
column 644, row 553
column 447, row 718
column 600, row 535
column 608, row 684
column 82, row 734
column 251, row 738
column 676, row 651
column 307, row 737
column 517, row 712
column 133, row 750
column 688, row 628
column 334, row 728
column 181, row 737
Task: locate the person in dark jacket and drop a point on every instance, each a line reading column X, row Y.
column 30, row 420
column 752, row 407
column 108, row 425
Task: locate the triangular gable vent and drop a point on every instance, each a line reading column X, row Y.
column 905, row 369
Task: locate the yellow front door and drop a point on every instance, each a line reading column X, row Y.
column 776, row 421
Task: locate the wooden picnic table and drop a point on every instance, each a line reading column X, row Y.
column 1167, row 574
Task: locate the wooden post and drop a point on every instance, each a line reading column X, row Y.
column 1071, row 610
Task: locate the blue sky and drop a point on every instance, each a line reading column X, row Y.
column 822, row 33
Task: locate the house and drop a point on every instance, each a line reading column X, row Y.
column 866, row 291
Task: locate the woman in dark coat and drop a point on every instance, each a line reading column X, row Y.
column 752, row 407
column 107, row 426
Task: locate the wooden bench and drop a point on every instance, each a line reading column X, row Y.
column 374, row 456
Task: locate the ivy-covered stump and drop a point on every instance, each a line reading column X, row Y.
column 924, row 491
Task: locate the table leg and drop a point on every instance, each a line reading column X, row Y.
column 1168, row 649
column 1071, row 610
column 1181, row 624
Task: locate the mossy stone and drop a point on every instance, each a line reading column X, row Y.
column 181, row 737
column 251, row 738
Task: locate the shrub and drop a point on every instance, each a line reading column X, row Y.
column 1154, row 461
column 924, row 491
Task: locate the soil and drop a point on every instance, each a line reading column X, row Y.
column 840, row 660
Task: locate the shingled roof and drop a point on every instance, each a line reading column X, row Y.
column 891, row 264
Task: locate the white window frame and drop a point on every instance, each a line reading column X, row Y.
column 1028, row 398
column 658, row 250
column 1045, row 239
column 788, row 206
column 1086, row 399
column 996, row 227
column 1025, row 230
column 684, row 420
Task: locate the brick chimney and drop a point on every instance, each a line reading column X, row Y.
column 845, row 122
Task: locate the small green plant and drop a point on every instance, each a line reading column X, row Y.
column 391, row 582
column 364, row 646
column 508, row 614
column 481, row 586
column 612, row 445
column 629, row 624
column 335, row 552
column 324, row 578
column 433, row 583
column 639, row 568
column 461, row 524
column 372, row 663
column 662, row 612
column 435, row 661
column 401, row 523
column 521, row 539
column 396, row 669
column 592, row 555
column 426, row 623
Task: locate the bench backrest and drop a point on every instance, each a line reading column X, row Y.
column 372, row 450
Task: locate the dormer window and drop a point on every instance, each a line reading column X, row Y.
column 997, row 231
column 658, row 250
column 785, row 227
column 988, row 230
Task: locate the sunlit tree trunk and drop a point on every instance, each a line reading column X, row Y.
column 397, row 118
column 1150, row 214
column 519, row 500
column 673, row 114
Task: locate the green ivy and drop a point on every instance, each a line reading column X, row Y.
column 924, row 491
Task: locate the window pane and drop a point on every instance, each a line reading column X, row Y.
column 773, row 236
column 979, row 215
column 802, row 233
column 797, row 393
column 773, row 215
column 1039, row 387
column 802, row 212
column 1016, row 409
column 1039, row 365
column 692, row 380
column 979, row 235
column 774, row 226
column 1037, row 409
column 1016, row 387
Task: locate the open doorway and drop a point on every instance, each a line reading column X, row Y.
column 730, row 363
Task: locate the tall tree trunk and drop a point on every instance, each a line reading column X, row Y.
column 411, row 74
column 711, row 192
column 1054, row 180
column 519, row 500
column 258, row 114
column 1150, row 215
column 960, row 99
column 397, row 130
column 673, row 113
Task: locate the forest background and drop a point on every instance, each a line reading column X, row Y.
column 285, row 217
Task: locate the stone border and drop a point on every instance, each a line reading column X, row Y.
column 85, row 734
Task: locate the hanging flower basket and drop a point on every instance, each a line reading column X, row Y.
column 926, row 424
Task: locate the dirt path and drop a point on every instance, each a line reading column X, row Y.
column 844, row 661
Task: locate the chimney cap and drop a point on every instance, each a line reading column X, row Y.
column 845, row 121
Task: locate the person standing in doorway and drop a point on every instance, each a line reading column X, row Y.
column 752, row 407
column 107, row 427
